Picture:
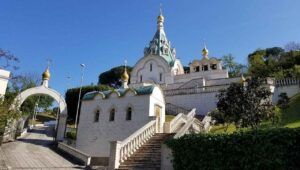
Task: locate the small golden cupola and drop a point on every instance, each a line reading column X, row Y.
column 125, row 76
column 205, row 52
column 160, row 18
column 46, row 75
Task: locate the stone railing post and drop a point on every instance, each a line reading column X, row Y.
column 114, row 156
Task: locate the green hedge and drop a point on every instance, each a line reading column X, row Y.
column 263, row 149
column 72, row 97
column 71, row 135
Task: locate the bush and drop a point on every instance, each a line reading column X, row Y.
column 283, row 101
column 71, row 135
column 262, row 149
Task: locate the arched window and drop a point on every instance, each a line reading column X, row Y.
column 97, row 114
column 112, row 115
column 141, row 78
column 128, row 113
column 160, row 76
column 150, row 67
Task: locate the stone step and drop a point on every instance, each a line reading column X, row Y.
column 141, row 164
column 148, row 156
column 145, row 154
column 143, row 158
column 152, row 144
column 138, row 168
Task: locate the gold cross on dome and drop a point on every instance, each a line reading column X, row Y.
column 49, row 61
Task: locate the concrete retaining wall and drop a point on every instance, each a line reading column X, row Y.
column 203, row 102
column 290, row 90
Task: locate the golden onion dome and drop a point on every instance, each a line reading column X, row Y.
column 160, row 18
column 125, row 76
column 46, row 75
column 205, row 51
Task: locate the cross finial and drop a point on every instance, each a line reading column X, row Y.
column 125, row 63
column 49, row 61
column 160, row 8
column 204, row 43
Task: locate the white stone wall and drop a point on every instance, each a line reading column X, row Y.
column 291, row 90
column 4, row 76
column 211, row 74
column 203, row 102
column 222, row 81
column 159, row 66
column 93, row 137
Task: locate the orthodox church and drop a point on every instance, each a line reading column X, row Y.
column 184, row 89
column 114, row 124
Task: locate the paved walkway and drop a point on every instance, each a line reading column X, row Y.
column 33, row 152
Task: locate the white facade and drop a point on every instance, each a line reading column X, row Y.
column 4, row 77
column 160, row 66
column 94, row 134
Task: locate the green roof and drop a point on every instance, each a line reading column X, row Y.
column 157, row 46
column 144, row 90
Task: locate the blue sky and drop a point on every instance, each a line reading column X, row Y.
column 102, row 34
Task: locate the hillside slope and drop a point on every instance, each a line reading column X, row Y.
column 290, row 117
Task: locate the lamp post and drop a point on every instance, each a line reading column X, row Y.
column 82, row 66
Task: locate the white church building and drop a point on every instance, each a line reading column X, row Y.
column 195, row 88
column 117, row 125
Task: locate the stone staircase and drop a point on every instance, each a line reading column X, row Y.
column 148, row 156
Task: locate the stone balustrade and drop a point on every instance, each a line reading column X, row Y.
column 121, row 150
column 200, row 74
column 206, row 123
column 195, row 90
column 176, row 123
column 287, row 81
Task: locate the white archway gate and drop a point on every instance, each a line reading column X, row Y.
column 45, row 90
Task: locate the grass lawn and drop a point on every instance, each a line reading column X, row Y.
column 221, row 129
column 289, row 117
column 43, row 117
column 169, row 118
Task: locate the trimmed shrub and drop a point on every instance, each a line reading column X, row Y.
column 71, row 135
column 262, row 149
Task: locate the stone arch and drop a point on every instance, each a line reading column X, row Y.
column 61, row 124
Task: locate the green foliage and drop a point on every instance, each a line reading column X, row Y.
column 25, row 81
column 6, row 113
column 234, row 69
column 290, row 117
column 283, row 101
column 244, row 106
column 274, row 62
column 71, row 135
column 72, row 97
column 262, row 149
column 112, row 77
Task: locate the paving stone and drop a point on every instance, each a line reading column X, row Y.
column 33, row 151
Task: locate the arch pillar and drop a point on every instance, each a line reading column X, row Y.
column 43, row 89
